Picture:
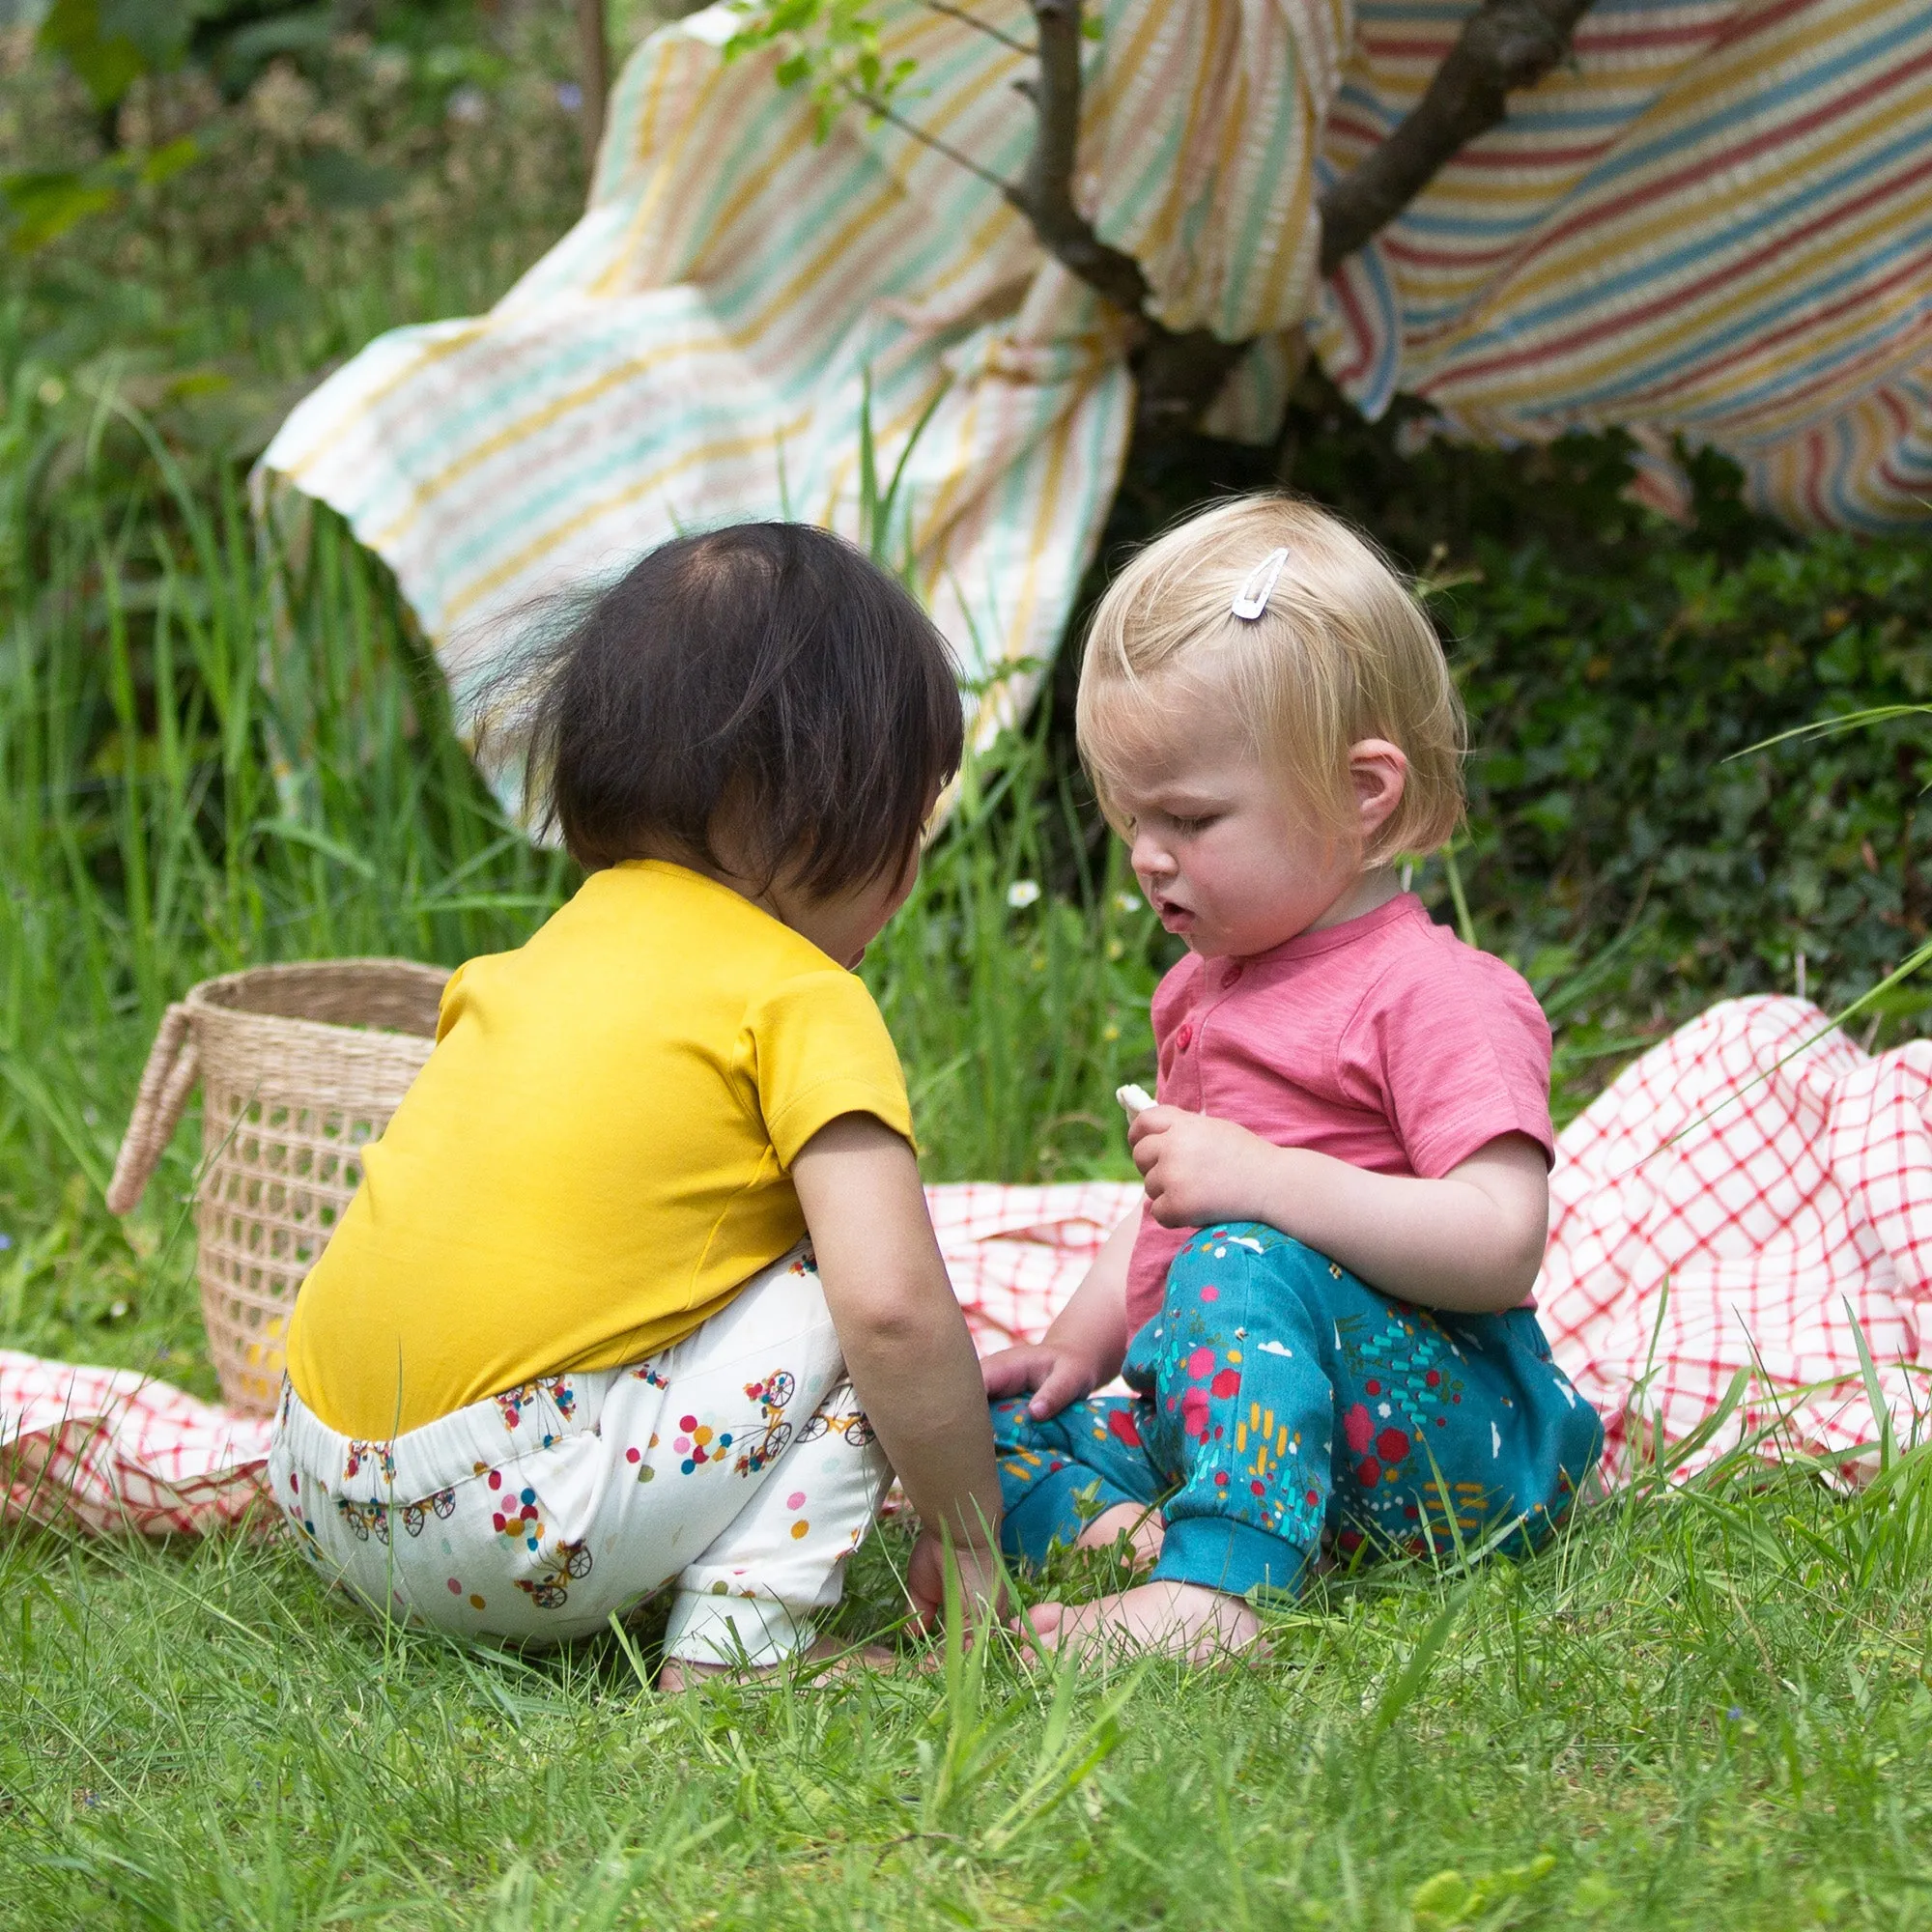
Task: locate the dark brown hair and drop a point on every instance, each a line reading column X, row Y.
column 767, row 671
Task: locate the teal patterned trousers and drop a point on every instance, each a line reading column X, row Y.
column 1281, row 1404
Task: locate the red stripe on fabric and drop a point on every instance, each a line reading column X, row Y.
column 1877, row 354
column 1742, row 26
column 1496, row 160
column 1609, row 40
column 1360, row 130
column 1703, row 169
column 1916, row 269
column 1807, row 478
column 1344, row 294
column 1625, row 319
column 1587, row 40
column 1419, row 47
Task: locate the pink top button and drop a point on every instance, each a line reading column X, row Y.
column 1233, row 974
column 1184, row 1039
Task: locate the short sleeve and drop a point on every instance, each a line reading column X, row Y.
column 1460, row 1051
column 446, row 1004
column 819, row 1049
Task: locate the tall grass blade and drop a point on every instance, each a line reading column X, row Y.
column 1887, row 1442
column 1407, row 1685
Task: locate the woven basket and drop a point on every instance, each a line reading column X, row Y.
column 298, row 1065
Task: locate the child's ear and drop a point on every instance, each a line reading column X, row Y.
column 1379, row 774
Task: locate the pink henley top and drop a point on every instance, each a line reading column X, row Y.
column 1384, row 1041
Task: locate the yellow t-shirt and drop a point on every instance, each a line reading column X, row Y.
column 597, row 1154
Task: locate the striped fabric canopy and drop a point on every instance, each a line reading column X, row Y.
column 1717, row 226
column 1715, row 223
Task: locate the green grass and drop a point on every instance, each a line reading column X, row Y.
column 1707, row 1708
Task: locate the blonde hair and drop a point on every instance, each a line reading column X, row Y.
column 1342, row 652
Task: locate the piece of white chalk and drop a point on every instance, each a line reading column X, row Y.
column 1135, row 1099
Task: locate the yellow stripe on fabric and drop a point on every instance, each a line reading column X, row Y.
column 523, row 428
column 1046, row 507
column 1241, row 248
column 1776, row 271
column 1726, row 77
column 1119, row 72
column 1641, row 236
column 1776, row 414
column 1284, row 308
column 533, row 552
column 781, row 303
column 420, row 360
column 1158, row 233
column 1477, row 194
column 644, row 140
column 625, row 247
column 941, row 514
column 1628, row 351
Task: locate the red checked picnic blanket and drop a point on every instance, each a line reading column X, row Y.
column 107, row 1449
column 1752, row 1196
column 1749, row 1195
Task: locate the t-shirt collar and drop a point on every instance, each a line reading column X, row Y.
column 1325, row 939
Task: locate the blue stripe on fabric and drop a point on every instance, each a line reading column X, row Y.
column 1419, row 219
column 1246, row 261
column 1709, row 347
column 579, row 483
column 1812, row 79
column 460, row 427
column 1648, row 273
column 621, row 338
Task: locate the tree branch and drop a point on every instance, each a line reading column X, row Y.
column 1044, row 193
column 985, row 26
column 885, row 111
column 1505, row 44
column 593, row 71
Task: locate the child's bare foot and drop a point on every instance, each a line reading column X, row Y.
column 1145, row 1529
column 829, row 1657
column 1171, row 1619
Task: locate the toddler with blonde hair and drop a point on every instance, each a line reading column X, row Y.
column 1322, row 1305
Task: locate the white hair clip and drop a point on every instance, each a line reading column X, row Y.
column 1251, row 599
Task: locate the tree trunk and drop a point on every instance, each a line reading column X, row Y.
column 593, row 67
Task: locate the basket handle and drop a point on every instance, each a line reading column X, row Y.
column 165, row 1085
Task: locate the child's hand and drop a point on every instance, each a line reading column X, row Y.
column 980, row 1586
column 1198, row 1170
column 1054, row 1372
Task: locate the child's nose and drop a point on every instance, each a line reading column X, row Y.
column 1149, row 857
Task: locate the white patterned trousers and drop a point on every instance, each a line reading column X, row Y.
column 737, row 1462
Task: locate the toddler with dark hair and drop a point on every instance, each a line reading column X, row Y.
column 639, row 1284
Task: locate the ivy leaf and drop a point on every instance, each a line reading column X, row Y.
column 336, row 178
column 165, row 163
column 111, row 44
column 46, row 202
